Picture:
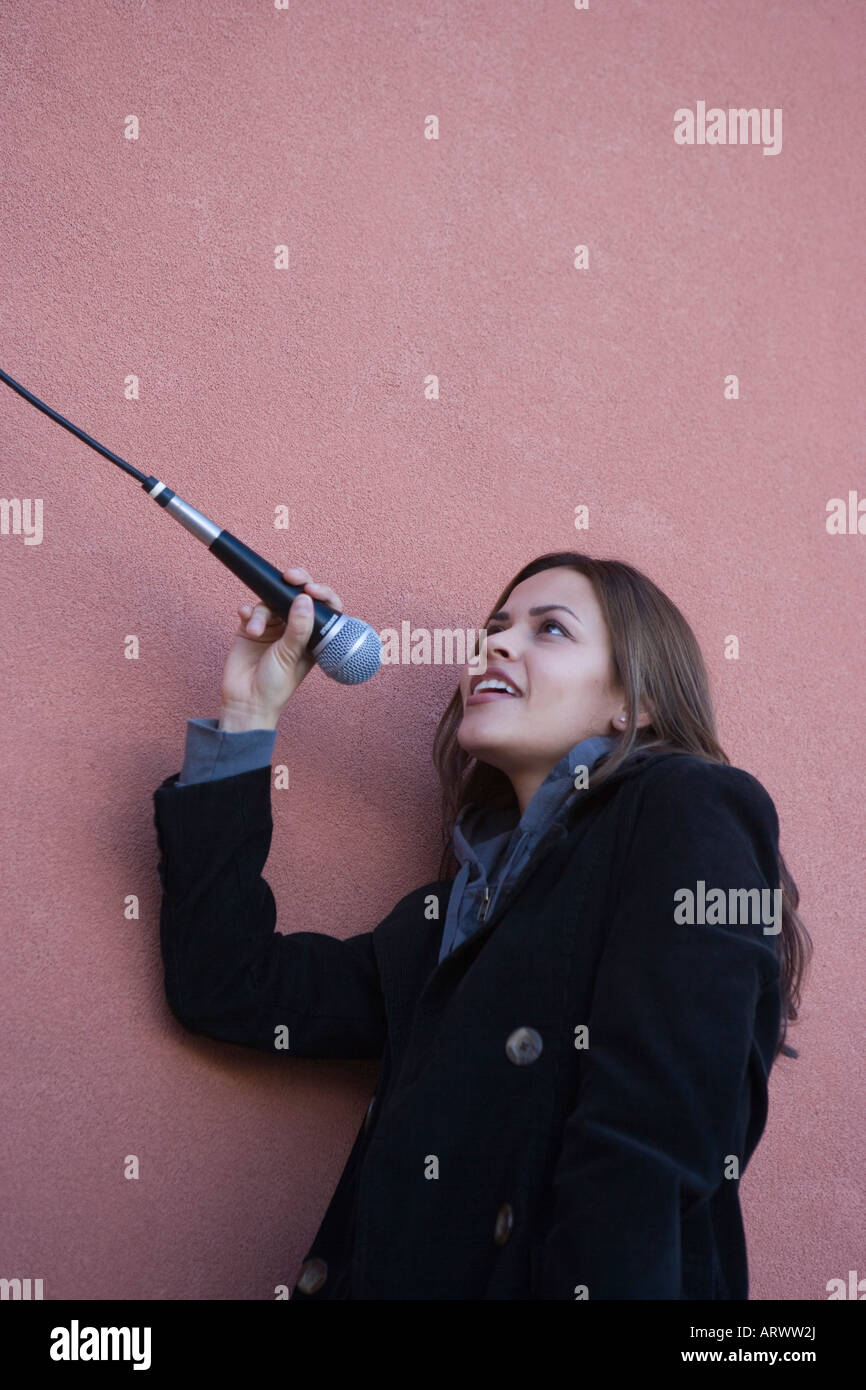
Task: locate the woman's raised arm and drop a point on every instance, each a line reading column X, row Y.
column 228, row 973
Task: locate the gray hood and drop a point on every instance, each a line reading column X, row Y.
column 492, row 843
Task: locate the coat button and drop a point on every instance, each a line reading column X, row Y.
column 368, row 1118
column 504, row 1223
column 523, row 1046
column 313, row 1275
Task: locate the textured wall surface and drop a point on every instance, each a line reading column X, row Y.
column 155, row 159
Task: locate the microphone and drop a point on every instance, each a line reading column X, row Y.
column 346, row 649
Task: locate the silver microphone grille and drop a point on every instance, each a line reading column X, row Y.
column 353, row 654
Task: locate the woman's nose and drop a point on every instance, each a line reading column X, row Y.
column 500, row 645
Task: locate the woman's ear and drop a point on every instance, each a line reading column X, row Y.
column 620, row 719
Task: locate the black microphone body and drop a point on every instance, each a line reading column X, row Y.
column 266, row 581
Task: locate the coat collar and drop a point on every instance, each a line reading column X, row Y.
column 497, row 850
column 483, row 831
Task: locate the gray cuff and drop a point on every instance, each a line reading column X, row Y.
column 212, row 753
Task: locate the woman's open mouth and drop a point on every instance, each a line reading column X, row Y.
column 493, row 691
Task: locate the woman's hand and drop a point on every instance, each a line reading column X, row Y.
column 268, row 658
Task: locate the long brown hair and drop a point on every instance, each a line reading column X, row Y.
column 658, row 663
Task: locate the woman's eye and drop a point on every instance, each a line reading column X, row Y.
column 548, row 622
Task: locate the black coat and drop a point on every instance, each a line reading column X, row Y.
column 506, row 1154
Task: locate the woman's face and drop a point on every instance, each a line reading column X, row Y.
column 560, row 661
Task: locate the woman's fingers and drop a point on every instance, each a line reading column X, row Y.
column 300, row 577
column 261, row 618
column 257, row 619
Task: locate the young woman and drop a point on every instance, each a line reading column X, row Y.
column 577, row 1020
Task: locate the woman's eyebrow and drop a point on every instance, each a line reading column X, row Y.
column 540, row 608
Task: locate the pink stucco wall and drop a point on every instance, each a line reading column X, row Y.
column 258, row 386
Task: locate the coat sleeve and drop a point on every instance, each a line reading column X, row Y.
column 228, row 973
column 683, row 1029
